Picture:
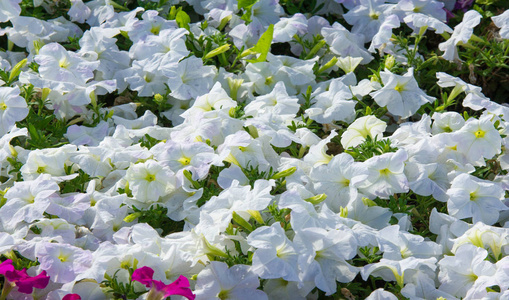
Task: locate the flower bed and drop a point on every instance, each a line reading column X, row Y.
column 254, row 149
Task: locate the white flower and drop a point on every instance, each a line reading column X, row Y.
column 339, row 180
column 360, row 129
column 398, row 245
column 446, row 122
column 462, row 33
column 189, row 78
column 479, row 140
column 502, row 21
column 344, row 43
column 336, row 104
column 472, row 197
column 328, row 251
column 13, row 108
column 149, row 181
column 400, row 94
column 386, row 175
column 401, row 271
column 458, row 273
column 63, row 262
column 278, row 101
column 275, row 256
column 217, row 281
column 60, row 65
column 9, row 9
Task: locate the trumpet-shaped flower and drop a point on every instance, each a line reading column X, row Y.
column 13, row 108
column 502, row 21
column 470, row 197
column 317, row 154
column 401, row 271
column 339, row 180
column 493, row 239
column 461, row 34
column 159, row 290
column 479, row 140
column 275, row 256
column 458, row 273
column 398, row 245
column 27, row 201
column 447, row 122
column 62, row 262
column 328, row 252
column 9, row 9
column 360, row 129
column 344, row 43
column 400, row 94
column 336, row 104
column 278, row 101
column 386, row 175
column 367, row 16
column 149, row 181
column 58, row 64
column 21, row 279
column 217, row 281
column 189, row 78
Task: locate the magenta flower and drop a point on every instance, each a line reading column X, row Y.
column 6, row 266
column 21, row 279
column 72, row 297
column 159, row 290
column 26, row 283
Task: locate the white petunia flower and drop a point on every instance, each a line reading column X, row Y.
column 502, row 21
column 360, row 129
column 149, row 181
column 275, row 256
column 217, row 281
column 400, row 94
column 13, row 108
column 478, row 140
column 470, row 197
column 461, row 34
column 9, row 9
column 458, row 273
column 386, row 175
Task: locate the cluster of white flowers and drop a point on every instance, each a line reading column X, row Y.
column 83, row 238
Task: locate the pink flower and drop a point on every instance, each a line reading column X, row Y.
column 6, row 266
column 26, row 283
column 21, row 279
column 159, row 290
column 72, row 297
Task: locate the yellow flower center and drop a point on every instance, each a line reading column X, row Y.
column 62, row 257
column 155, row 30
column 473, row 196
column 268, row 80
column 64, row 63
column 3, row 106
column 148, row 77
column 184, row 160
column 344, row 182
column 150, row 177
column 399, row 88
column 41, row 169
column 385, row 172
column 480, row 133
column 224, row 294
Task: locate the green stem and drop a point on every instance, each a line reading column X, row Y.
column 6, row 289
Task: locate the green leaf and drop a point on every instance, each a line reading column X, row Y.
column 263, row 45
column 183, row 20
column 246, row 3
